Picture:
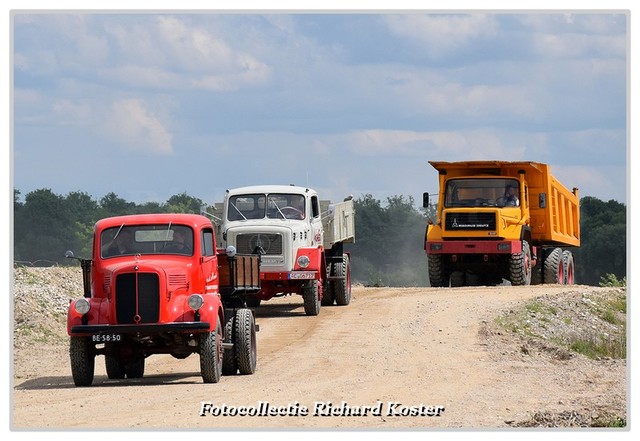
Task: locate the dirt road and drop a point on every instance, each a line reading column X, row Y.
column 410, row 358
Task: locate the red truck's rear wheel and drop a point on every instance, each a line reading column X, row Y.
column 240, row 330
column 245, row 341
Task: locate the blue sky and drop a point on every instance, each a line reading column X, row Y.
column 148, row 105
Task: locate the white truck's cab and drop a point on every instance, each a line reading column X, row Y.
column 299, row 244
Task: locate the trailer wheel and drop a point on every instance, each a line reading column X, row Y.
column 245, row 341
column 114, row 367
column 520, row 266
column 328, row 294
column 310, row 294
column 211, row 355
column 343, row 287
column 553, row 267
column 437, row 277
column 568, row 267
column 82, row 354
column 229, row 361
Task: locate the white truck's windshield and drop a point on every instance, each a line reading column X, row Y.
column 271, row 206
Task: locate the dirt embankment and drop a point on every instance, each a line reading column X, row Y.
column 472, row 358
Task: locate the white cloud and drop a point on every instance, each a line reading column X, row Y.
column 437, row 93
column 176, row 53
column 137, row 128
column 478, row 144
column 580, row 45
column 67, row 112
column 603, row 182
column 442, row 34
column 137, row 75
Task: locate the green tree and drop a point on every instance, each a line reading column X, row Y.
column 388, row 248
column 45, row 228
column 603, row 240
column 113, row 205
column 150, row 207
column 183, row 203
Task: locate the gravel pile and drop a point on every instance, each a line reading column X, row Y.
column 40, row 298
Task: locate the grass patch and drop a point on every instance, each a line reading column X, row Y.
column 600, row 346
column 572, row 418
column 594, row 325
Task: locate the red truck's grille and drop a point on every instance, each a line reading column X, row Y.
column 137, row 298
column 271, row 244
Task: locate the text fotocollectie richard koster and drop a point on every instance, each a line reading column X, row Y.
column 320, row 409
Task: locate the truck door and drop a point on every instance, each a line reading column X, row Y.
column 317, row 231
column 209, row 261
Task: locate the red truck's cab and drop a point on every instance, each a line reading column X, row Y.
column 154, row 286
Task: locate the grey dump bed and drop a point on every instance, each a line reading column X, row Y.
column 338, row 220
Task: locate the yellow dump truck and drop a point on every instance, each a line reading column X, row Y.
column 500, row 220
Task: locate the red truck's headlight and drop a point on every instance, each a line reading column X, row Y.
column 195, row 301
column 82, row 306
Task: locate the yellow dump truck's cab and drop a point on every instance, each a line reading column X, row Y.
column 493, row 219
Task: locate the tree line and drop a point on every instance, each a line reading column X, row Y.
column 388, row 250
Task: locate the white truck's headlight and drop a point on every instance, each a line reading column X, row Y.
column 303, row 261
column 82, row 306
column 195, row 301
column 231, row 251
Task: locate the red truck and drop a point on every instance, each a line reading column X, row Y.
column 157, row 284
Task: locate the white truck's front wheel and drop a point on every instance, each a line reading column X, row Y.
column 311, row 297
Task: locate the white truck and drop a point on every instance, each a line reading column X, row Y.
column 300, row 240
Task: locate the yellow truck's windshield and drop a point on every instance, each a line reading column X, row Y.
column 482, row 192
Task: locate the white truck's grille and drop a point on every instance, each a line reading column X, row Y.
column 271, row 244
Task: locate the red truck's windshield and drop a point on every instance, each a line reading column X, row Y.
column 146, row 239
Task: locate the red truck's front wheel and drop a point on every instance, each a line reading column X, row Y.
column 82, row 354
column 211, row 355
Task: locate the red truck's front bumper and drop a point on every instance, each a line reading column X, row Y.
column 141, row 329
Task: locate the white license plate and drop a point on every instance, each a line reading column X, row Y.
column 106, row 338
column 302, row 276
